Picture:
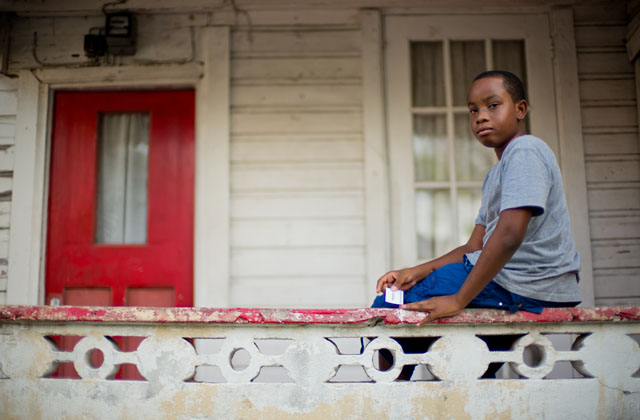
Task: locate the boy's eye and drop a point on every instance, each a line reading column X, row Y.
column 492, row 106
column 473, row 110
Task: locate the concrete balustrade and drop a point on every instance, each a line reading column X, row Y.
column 315, row 364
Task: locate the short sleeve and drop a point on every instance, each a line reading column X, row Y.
column 526, row 181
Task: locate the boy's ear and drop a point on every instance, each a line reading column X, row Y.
column 522, row 107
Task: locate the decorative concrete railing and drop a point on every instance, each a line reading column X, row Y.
column 316, row 364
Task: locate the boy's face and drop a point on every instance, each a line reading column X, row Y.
column 494, row 118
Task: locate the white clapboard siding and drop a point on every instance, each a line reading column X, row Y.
column 618, row 253
column 295, row 205
column 602, row 144
column 292, row 42
column 603, row 197
column 297, row 167
column 609, row 115
column 616, row 62
column 296, row 148
column 602, row 90
column 621, row 282
column 251, row 69
column 290, row 121
column 8, row 102
column 6, row 158
column 290, row 232
column 296, row 176
column 299, row 291
column 612, row 150
column 298, row 95
column 5, row 214
column 4, row 250
column 615, row 224
column 297, row 261
column 7, row 130
column 623, row 169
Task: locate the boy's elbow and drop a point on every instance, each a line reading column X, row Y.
column 513, row 227
column 511, row 240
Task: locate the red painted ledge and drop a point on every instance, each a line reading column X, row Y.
column 364, row 316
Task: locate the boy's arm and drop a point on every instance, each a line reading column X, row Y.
column 405, row 279
column 500, row 247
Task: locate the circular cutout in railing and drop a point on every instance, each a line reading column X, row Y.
column 239, row 359
column 94, row 358
column 383, row 359
column 534, row 355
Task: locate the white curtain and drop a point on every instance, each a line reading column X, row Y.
column 121, row 204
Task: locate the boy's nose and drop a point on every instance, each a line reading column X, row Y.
column 481, row 117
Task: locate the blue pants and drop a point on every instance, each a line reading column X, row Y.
column 448, row 279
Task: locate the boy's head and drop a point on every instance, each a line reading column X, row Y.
column 497, row 108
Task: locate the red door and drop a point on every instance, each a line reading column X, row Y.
column 97, row 193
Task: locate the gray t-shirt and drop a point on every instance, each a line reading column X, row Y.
column 546, row 264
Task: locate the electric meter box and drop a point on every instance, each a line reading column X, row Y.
column 120, row 33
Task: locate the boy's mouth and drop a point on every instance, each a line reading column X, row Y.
column 483, row 131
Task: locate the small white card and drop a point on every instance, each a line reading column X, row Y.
column 396, row 297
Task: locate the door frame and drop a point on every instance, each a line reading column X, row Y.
column 210, row 78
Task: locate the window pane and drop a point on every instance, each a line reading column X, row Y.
column 467, row 61
column 121, row 204
column 427, row 81
column 468, row 205
column 509, row 55
column 473, row 160
column 430, row 149
column 433, row 223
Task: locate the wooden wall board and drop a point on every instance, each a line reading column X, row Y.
column 307, row 232
column 299, row 292
column 297, row 261
column 612, row 143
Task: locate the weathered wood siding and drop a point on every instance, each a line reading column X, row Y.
column 8, row 110
column 612, row 151
column 297, row 188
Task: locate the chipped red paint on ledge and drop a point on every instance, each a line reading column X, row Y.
column 364, row 316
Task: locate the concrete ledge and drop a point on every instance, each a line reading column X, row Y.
column 358, row 316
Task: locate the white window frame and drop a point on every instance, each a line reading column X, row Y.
column 552, row 91
column 211, row 80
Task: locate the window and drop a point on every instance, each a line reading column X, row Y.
column 436, row 165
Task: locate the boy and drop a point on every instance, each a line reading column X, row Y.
column 521, row 254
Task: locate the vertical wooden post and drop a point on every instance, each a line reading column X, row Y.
column 27, row 201
column 571, row 157
column 375, row 157
column 212, row 214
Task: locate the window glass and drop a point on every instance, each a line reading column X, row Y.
column 121, row 202
column 472, row 159
column 426, row 74
column 467, row 61
column 433, row 222
column 430, row 148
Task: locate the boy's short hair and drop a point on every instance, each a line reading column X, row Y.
column 511, row 82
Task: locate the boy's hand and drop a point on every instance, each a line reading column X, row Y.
column 437, row 307
column 397, row 279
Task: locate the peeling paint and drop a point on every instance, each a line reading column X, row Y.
column 361, row 316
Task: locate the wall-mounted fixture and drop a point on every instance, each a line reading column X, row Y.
column 120, row 32
column 118, row 37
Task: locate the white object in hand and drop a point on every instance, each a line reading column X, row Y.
column 391, row 296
